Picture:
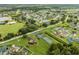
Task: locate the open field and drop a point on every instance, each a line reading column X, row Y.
column 4, row 29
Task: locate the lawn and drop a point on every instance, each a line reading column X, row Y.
column 4, row 29
column 40, row 48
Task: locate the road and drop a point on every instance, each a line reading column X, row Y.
column 27, row 33
column 66, row 18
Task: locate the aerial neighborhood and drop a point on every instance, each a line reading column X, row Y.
column 39, row 29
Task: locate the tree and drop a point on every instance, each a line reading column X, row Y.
column 26, row 23
column 27, row 29
column 54, row 21
column 23, row 31
column 32, row 27
column 56, row 52
column 61, row 49
column 75, row 50
column 23, row 18
column 45, row 25
column 1, row 37
column 6, row 21
column 31, row 21
column 60, row 46
column 18, row 12
column 75, row 17
column 66, row 51
column 9, row 35
column 69, row 20
column 63, row 19
column 53, row 47
column 24, row 36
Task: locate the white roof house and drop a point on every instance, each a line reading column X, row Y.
column 5, row 18
column 13, row 22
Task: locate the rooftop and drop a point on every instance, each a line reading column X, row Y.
column 5, row 18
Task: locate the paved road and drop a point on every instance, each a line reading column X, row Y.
column 66, row 18
column 26, row 34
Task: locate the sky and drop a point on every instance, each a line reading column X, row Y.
column 39, row 1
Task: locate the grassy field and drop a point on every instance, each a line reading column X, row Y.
column 4, row 29
column 41, row 47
